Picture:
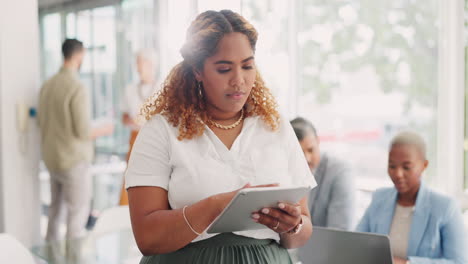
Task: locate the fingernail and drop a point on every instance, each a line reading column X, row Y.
column 255, row 216
column 281, row 205
column 265, row 210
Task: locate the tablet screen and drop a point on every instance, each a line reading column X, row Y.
column 237, row 214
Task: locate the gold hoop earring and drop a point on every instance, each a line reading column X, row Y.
column 252, row 94
column 200, row 94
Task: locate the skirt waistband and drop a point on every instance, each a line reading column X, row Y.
column 229, row 239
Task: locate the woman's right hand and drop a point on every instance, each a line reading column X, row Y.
column 223, row 199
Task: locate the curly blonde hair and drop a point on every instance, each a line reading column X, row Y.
column 181, row 102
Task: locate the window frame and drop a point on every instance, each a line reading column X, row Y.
column 451, row 101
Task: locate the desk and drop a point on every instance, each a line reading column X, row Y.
column 117, row 247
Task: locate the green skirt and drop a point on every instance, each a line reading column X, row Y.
column 225, row 248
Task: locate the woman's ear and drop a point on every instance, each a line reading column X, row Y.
column 426, row 163
column 197, row 74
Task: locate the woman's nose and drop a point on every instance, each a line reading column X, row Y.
column 237, row 79
column 399, row 173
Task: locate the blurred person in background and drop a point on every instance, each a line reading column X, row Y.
column 67, row 143
column 332, row 202
column 134, row 97
column 424, row 227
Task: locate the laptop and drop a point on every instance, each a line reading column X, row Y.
column 332, row 246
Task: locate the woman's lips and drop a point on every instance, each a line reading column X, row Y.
column 400, row 184
column 236, row 95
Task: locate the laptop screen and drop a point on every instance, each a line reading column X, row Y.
column 331, row 246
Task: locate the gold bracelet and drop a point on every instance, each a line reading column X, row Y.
column 186, row 221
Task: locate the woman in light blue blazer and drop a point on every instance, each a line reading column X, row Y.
column 424, row 227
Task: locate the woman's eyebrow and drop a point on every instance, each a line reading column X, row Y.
column 230, row 62
column 249, row 58
column 223, row 62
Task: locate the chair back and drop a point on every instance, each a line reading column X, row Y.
column 12, row 251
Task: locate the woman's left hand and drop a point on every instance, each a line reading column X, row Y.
column 282, row 219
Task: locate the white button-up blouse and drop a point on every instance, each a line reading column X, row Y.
column 192, row 170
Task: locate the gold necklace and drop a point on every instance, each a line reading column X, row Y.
column 230, row 126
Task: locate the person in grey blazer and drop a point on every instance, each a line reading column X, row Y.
column 332, row 202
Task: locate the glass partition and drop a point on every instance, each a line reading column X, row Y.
column 466, row 102
column 51, row 29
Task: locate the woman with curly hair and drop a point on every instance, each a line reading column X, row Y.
column 212, row 130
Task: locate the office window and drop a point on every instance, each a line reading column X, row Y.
column 51, row 44
column 83, row 33
column 71, row 25
column 234, row 5
column 466, row 100
column 105, row 92
column 138, row 25
column 97, row 29
column 273, row 52
column 179, row 15
column 367, row 70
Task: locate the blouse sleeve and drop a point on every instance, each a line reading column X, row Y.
column 149, row 163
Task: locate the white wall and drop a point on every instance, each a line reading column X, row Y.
column 19, row 82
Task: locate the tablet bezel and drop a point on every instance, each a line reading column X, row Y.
column 237, row 214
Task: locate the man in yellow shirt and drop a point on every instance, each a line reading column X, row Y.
column 67, row 142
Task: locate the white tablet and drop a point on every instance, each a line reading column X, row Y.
column 237, row 216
